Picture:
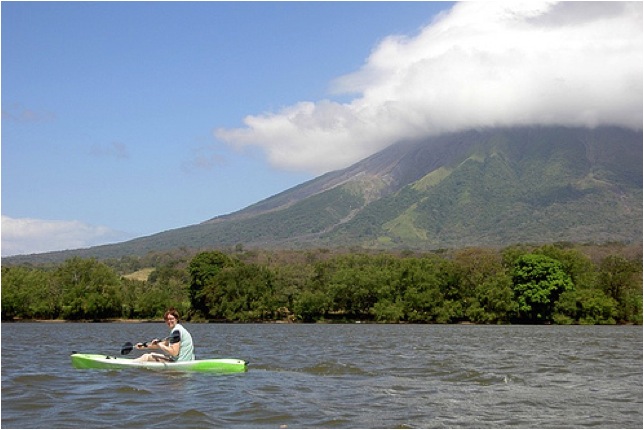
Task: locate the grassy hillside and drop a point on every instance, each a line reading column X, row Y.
column 516, row 186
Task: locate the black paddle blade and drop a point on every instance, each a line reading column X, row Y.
column 127, row 348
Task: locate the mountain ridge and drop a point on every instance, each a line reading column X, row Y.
column 491, row 187
column 383, row 165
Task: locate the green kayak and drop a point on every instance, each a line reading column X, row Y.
column 215, row 365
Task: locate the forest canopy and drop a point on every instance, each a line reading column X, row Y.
column 519, row 284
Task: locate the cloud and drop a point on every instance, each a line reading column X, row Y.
column 113, row 150
column 479, row 64
column 19, row 114
column 32, row 236
column 204, row 158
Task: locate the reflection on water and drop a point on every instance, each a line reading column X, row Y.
column 332, row 376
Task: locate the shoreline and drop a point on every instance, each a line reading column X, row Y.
column 26, row 321
column 327, row 322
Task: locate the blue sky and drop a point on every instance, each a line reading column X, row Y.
column 124, row 119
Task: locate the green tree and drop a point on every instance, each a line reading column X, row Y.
column 486, row 286
column 291, row 280
column 352, row 286
column 578, row 266
column 387, row 311
column 311, row 306
column 492, row 301
column 454, row 295
column 203, row 270
column 169, row 286
column 585, row 306
column 423, row 297
column 131, row 293
column 28, row 293
column 538, row 281
column 621, row 279
column 243, row 292
column 90, row 289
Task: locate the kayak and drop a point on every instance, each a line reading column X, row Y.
column 214, row 365
column 100, row 361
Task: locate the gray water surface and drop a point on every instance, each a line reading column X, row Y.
column 331, row 376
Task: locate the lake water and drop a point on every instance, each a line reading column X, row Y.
column 331, row 376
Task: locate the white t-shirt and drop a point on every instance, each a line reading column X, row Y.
column 186, row 348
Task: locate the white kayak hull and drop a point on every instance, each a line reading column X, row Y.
column 215, row 365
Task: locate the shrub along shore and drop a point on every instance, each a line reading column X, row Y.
column 548, row 284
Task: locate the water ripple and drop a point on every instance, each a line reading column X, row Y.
column 319, row 376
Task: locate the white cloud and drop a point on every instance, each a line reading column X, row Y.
column 113, row 150
column 15, row 112
column 479, row 64
column 32, row 236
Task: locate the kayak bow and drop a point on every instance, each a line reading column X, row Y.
column 215, row 365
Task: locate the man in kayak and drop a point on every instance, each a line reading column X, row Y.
column 178, row 346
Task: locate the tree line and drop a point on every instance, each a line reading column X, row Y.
column 518, row 284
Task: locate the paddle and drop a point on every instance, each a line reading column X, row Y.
column 128, row 347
